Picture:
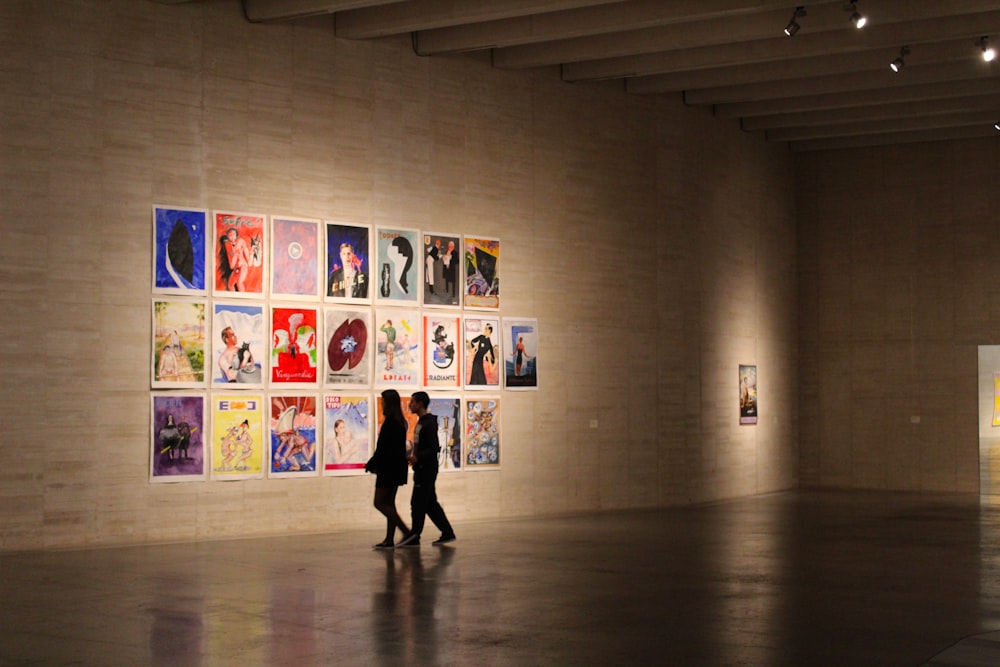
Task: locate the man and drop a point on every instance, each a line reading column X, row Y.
column 431, row 258
column 390, row 343
column 450, row 271
column 245, row 442
column 231, row 362
column 348, row 280
column 424, row 460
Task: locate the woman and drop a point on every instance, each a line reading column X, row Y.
column 237, row 254
column 481, row 346
column 346, row 449
column 519, row 355
column 389, row 465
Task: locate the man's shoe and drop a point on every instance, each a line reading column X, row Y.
column 384, row 545
column 411, row 540
column 444, row 539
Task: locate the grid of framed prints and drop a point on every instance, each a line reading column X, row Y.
column 273, row 337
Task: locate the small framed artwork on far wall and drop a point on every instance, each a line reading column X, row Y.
column 748, row 394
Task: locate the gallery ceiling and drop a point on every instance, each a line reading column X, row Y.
column 829, row 85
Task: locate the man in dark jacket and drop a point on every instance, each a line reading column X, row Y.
column 424, row 460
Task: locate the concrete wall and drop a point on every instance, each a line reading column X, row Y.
column 655, row 244
column 898, row 257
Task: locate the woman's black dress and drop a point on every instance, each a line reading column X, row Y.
column 389, row 460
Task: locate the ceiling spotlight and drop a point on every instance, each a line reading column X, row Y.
column 996, row 126
column 793, row 25
column 989, row 53
column 857, row 18
column 898, row 63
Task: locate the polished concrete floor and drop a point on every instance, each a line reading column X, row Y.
column 787, row 579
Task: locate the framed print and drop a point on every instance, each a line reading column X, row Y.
column 295, row 258
column 442, row 358
column 398, row 263
column 482, row 433
column 482, row 353
column 348, row 263
column 293, row 433
column 238, row 436
column 748, row 394
column 398, row 349
column 178, row 431
column 239, row 348
column 347, row 433
column 448, row 410
column 482, row 273
column 178, row 354
column 442, row 263
column 348, row 347
column 179, row 248
column 294, row 350
column 520, row 344
column 239, row 254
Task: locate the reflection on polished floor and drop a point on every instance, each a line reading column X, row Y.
column 786, row 579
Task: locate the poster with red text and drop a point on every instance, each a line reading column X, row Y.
column 294, row 349
column 347, row 433
column 398, row 348
column 239, row 254
column 442, row 367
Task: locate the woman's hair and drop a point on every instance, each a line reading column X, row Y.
column 392, row 408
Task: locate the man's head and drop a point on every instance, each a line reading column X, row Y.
column 419, row 400
column 347, row 255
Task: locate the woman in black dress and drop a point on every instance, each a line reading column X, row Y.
column 481, row 346
column 390, row 466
